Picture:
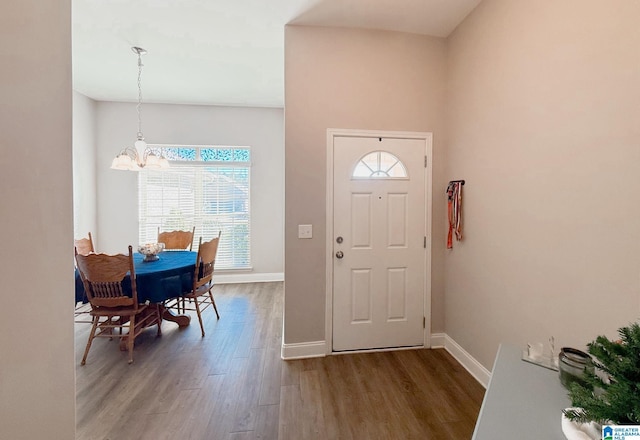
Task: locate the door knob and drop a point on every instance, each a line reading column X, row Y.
column 339, row 254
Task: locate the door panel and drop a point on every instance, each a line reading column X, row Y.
column 397, row 301
column 361, row 220
column 398, row 222
column 361, row 295
column 378, row 284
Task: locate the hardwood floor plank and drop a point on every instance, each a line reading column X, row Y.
column 219, row 422
column 271, row 377
column 313, row 423
column 441, row 409
column 245, row 338
column 290, row 374
column 267, row 423
column 289, row 423
column 202, row 409
column 247, row 393
column 336, row 403
column 221, row 351
column 178, row 417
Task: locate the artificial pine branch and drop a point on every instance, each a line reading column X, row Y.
column 617, row 400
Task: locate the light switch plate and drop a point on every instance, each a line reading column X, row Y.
column 305, row 231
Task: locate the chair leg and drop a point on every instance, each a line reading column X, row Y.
column 195, row 300
column 94, row 327
column 131, row 336
column 159, row 318
column 213, row 301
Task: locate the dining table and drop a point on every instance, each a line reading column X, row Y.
column 157, row 281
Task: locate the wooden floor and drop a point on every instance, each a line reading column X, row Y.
column 232, row 384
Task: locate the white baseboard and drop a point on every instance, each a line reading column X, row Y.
column 475, row 368
column 304, row 350
column 231, row 278
column 438, row 340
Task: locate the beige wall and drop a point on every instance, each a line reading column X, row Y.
column 543, row 121
column 37, row 389
column 349, row 79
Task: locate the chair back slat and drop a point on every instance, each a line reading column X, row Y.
column 176, row 240
column 104, row 276
column 206, row 270
column 109, row 294
column 205, row 261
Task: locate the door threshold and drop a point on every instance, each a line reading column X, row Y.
column 375, row 350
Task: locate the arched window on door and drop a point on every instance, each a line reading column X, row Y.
column 379, row 165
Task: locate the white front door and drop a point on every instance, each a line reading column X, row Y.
column 379, row 222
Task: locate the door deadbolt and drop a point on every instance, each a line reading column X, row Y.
column 339, row 254
column 339, row 240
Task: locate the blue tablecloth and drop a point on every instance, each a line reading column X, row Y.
column 159, row 280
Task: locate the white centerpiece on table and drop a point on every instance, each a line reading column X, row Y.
column 151, row 251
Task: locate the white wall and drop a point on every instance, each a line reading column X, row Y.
column 543, row 112
column 37, row 392
column 84, row 167
column 259, row 128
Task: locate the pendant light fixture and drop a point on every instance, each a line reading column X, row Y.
column 141, row 156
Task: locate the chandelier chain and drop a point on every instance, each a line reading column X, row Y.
column 138, row 107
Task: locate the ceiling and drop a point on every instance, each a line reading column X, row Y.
column 221, row 52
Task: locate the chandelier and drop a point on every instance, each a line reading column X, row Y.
column 140, row 156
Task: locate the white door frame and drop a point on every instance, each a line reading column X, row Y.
column 331, row 134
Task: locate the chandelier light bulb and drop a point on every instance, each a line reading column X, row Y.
column 140, row 146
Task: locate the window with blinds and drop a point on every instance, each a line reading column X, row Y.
column 206, row 187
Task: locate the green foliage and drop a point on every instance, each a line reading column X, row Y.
column 617, row 400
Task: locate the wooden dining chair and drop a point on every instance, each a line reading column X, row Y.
column 112, row 307
column 84, row 246
column 176, row 240
column 201, row 296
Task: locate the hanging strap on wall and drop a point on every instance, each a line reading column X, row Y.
column 454, row 210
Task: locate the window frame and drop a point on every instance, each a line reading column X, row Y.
column 379, row 173
column 228, row 252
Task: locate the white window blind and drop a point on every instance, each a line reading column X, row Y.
column 207, row 190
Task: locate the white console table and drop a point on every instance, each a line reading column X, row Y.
column 523, row 401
